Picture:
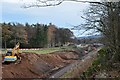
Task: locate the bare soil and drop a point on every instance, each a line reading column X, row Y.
column 38, row 65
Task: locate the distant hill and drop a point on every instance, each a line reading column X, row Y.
column 89, row 37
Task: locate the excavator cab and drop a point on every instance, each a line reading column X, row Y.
column 9, row 53
column 13, row 55
column 9, row 58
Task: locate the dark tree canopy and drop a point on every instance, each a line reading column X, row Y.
column 34, row 36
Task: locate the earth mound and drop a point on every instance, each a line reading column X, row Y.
column 35, row 65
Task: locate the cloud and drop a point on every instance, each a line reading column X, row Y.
column 17, row 1
column 30, row 1
column 66, row 12
column 10, row 1
column 64, row 15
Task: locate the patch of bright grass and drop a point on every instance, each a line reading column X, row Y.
column 45, row 50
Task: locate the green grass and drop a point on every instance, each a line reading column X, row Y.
column 42, row 51
column 45, row 50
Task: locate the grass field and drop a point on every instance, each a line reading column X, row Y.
column 45, row 50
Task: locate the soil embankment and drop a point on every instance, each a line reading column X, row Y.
column 38, row 65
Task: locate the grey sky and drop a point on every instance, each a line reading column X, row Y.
column 64, row 15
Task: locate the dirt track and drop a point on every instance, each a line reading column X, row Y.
column 38, row 65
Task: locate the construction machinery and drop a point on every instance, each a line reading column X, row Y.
column 13, row 55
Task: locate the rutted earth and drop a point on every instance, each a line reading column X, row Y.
column 39, row 65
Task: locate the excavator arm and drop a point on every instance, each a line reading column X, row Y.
column 16, row 48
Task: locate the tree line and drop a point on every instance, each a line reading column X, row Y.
column 35, row 35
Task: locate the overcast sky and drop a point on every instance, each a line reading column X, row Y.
column 64, row 15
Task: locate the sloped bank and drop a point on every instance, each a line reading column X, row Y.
column 38, row 65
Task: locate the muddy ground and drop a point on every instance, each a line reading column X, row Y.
column 39, row 65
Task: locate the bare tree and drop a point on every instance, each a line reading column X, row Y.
column 101, row 17
column 105, row 19
column 46, row 3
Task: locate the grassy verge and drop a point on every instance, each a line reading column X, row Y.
column 98, row 65
column 45, row 50
column 84, row 66
column 42, row 51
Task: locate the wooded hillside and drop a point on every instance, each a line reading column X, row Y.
column 34, row 35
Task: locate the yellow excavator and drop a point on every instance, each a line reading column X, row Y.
column 13, row 55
